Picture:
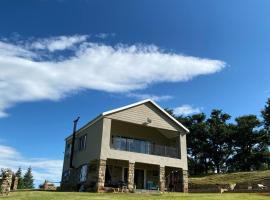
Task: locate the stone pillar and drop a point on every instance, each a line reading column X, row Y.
column 15, row 183
column 131, row 167
column 6, row 182
column 101, row 170
column 161, row 178
column 185, row 181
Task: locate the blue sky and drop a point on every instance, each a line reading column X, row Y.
column 61, row 59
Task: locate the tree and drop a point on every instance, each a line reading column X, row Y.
column 266, row 116
column 1, row 176
column 198, row 148
column 266, row 124
column 20, row 178
column 28, row 179
column 251, row 144
column 219, row 139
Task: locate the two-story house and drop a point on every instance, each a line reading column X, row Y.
column 138, row 145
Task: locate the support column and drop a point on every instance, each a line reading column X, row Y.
column 185, row 181
column 6, row 182
column 101, row 170
column 131, row 176
column 161, row 178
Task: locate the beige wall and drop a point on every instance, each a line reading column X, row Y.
column 93, row 145
column 139, row 114
column 107, row 152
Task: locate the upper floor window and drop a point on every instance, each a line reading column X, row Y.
column 82, row 143
column 68, row 149
column 143, row 146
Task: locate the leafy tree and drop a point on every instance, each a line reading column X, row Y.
column 20, row 178
column 219, row 139
column 266, row 116
column 28, row 179
column 198, row 148
column 250, row 144
column 266, row 124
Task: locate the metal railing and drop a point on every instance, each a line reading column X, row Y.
column 142, row 146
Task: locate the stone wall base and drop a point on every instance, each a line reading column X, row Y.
column 131, row 167
column 185, row 181
column 101, row 170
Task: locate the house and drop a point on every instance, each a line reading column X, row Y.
column 138, row 146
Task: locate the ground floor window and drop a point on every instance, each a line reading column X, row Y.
column 83, row 173
column 66, row 174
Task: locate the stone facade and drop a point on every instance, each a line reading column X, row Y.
column 185, row 181
column 15, row 183
column 101, row 174
column 6, row 182
column 162, row 179
column 131, row 167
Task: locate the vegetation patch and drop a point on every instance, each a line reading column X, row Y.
column 34, row 195
column 231, row 178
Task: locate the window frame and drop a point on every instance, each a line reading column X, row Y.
column 82, row 142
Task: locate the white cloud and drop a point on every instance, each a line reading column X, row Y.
column 26, row 76
column 149, row 96
column 43, row 169
column 58, row 43
column 186, row 110
column 104, row 35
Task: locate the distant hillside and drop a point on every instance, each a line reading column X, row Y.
column 231, row 178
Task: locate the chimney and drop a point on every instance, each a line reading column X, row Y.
column 73, row 142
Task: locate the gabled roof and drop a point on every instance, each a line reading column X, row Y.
column 142, row 102
column 130, row 106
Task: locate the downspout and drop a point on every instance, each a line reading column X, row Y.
column 73, row 142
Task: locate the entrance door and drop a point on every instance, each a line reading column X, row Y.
column 139, row 178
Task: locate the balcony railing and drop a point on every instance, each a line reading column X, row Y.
column 142, row 146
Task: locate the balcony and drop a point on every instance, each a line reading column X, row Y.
column 143, row 146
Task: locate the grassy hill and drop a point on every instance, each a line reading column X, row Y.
column 231, row 178
column 35, row 195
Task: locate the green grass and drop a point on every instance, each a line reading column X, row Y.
column 37, row 195
column 229, row 178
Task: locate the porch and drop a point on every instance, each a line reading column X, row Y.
column 125, row 176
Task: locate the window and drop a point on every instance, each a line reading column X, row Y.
column 143, row 146
column 82, row 143
column 120, row 143
column 83, row 173
column 68, row 149
column 66, row 175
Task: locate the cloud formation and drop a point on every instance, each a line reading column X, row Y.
column 43, row 169
column 58, row 43
column 42, row 69
column 186, row 110
column 157, row 98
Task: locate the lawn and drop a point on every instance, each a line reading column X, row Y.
column 229, row 178
column 37, row 195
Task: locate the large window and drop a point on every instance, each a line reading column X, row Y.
column 143, row 146
column 83, row 173
column 82, row 143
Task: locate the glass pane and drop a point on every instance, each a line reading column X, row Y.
column 130, row 145
column 117, row 143
column 123, row 143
